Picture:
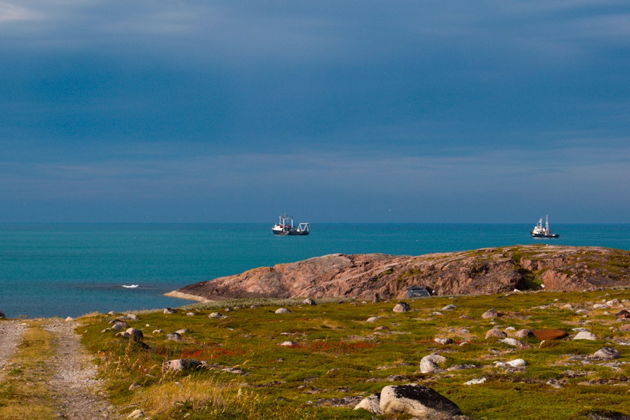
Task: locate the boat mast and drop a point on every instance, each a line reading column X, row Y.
column 547, row 223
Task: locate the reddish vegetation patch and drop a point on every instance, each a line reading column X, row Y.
column 549, row 334
column 340, row 347
column 210, row 353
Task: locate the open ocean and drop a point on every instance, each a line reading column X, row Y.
column 73, row 269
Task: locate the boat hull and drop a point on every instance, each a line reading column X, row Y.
column 545, row 236
column 289, row 233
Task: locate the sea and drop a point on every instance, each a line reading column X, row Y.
column 73, row 269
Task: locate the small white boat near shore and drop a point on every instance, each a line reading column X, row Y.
column 130, row 286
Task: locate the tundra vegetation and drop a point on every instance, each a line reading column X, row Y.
column 319, row 361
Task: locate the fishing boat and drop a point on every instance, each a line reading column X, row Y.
column 285, row 227
column 543, row 231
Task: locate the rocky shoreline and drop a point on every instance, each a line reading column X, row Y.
column 381, row 276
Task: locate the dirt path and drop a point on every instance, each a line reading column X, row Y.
column 10, row 337
column 74, row 384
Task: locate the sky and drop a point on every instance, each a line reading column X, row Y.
column 493, row 111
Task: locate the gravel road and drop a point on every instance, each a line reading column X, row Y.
column 10, row 337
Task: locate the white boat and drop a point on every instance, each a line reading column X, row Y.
column 130, row 286
column 543, row 231
column 285, row 227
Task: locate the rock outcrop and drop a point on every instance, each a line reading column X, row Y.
column 482, row 271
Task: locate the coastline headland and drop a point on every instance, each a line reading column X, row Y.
column 481, row 271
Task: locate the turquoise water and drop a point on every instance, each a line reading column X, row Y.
column 68, row 269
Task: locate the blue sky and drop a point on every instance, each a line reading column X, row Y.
column 354, row 111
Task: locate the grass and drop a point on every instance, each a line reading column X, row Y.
column 23, row 392
column 339, row 355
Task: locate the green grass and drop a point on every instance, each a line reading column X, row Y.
column 340, row 355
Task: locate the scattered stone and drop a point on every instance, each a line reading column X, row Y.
column 132, row 317
column 167, row 311
column 495, row 333
column 136, row 414
column 111, row 313
column 581, row 312
column 509, row 329
column 174, row 337
column 585, row 335
column 215, row 315
column 190, row 314
column 235, row 371
column 227, row 309
column 511, row 342
column 118, row 324
column 490, row 314
column 547, row 334
column 441, row 340
column 158, row 331
column 613, row 302
column 524, row 333
column 449, row 307
column 134, row 386
column 554, row 383
column 282, row 311
column 600, row 306
column 69, row 318
column 623, row 314
column 289, row 344
column 179, row 365
column 416, row 400
column 476, row 381
column 134, row 334
column 372, row 319
column 606, row 415
column 606, row 353
column 182, row 331
column 402, row 307
column 370, row 404
column 430, row 363
column 462, row 367
column 516, row 363
column 309, row 301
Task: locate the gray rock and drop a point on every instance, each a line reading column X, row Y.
column 524, row 333
column 430, row 363
column 600, row 306
column 402, row 307
column 168, row 311
column 516, row 363
column 174, row 337
column 182, row 331
column 309, row 301
column 134, row 334
column 442, row 340
column 118, row 324
column 288, row 344
column 495, row 333
column 215, row 315
column 370, row 404
column 606, row 353
column 585, row 335
column 282, row 311
column 372, row 319
column 476, row 381
column 511, row 342
column 180, row 365
column 132, row 317
column 416, row 400
column 136, row 414
column 490, row 314
column 158, row 331
column 69, row 318
column 449, row 307
column 190, row 314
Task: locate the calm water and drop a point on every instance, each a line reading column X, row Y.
column 65, row 269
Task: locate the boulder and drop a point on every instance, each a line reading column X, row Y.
column 289, row 344
column 523, row 333
column 495, row 333
column 547, row 334
column 158, row 331
column 168, row 311
column 606, row 353
column 442, row 340
column 215, row 315
column 516, row 363
column 372, row 319
column 416, row 400
column 118, row 324
column 136, row 414
column 402, row 307
column 600, row 306
column 180, row 365
column 309, row 301
column 430, row 363
column 282, row 311
column 490, row 314
column 623, row 314
column 511, row 342
column 476, row 381
column 370, row 404
column 134, row 334
column 449, row 307
column 190, row 314
column 174, row 337
column 182, row 331
column 132, row 317
column 585, row 335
